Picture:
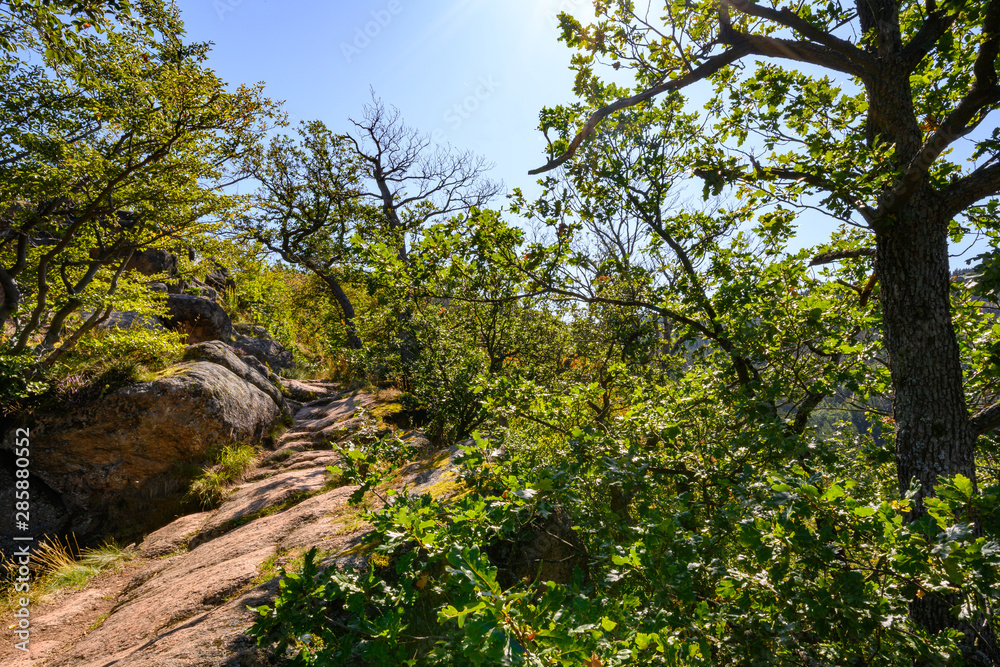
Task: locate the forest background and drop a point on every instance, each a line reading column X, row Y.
column 763, row 461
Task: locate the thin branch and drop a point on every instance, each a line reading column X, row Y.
column 741, row 45
column 703, row 71
column 922, row 43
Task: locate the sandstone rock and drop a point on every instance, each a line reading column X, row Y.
column 219, row 279
column 153, row 261
column 198, row 288
column 200, row 318
column 261, row 368
column 320, row 414
column 301, row 460
column 192, row 609
column 253, row 498
column 125, row 444
column 173, row 536
column 219, row 353
column 304, row 391
column 251, row 330
column 267, row 351
column 284, row 452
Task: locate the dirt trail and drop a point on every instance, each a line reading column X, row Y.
column 184, row 600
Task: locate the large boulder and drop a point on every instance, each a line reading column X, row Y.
column 199, row 288
column 244, row 330
column 266, row 351
column 219, row 279
column 153, row 261
column 219, row 353
column 47, row 513
column 127, row 444
column 200, row 318
column 131, row 320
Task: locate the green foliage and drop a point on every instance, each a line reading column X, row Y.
column 138, row 345
column 460, row 326
column 91, row 562
column 102, row 362
column 61, row 26
column 15, row 384
column 110, row 152
column 370, row 457
column 426, row 565
column 296, row 308
column 695, row 567
column 211, row 485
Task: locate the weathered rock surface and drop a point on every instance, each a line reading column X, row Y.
column 264, row 371
column 198, row 288
column 219, row 353
column 249, row 500
column 244, row 330
column 267, row 351
column 173, row 536
column 200, row 318
column 153, row 261
column 125, row 444
column 219, row 279
column 190, row 607
column 131, row 320
column 303, row 391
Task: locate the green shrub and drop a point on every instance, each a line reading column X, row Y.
column 15, row 385
column 211, row 485
column 141, row 346
column 742, row 567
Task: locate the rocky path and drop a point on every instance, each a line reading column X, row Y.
column 184, row 600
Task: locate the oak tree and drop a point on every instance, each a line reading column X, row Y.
column 333, row 202
column 125, row 148
column 874, row 112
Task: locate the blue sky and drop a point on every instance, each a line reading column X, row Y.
column 474, row 74
column 471, row 73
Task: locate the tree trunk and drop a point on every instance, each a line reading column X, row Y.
column 10, row 297
column 346, row 306
column 934, row 434
column 54, row 332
